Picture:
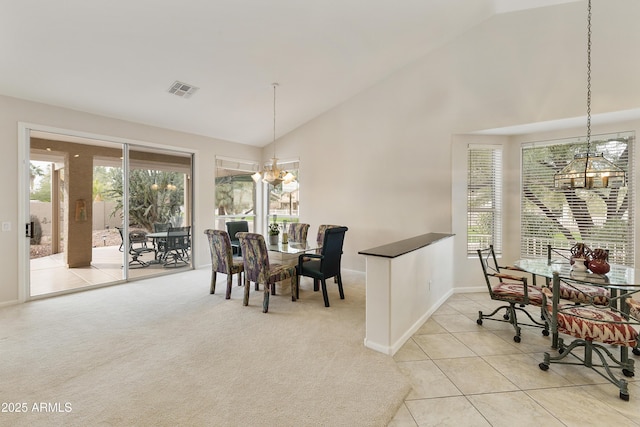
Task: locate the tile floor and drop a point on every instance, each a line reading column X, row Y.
column 49, row 275
column 464, row 374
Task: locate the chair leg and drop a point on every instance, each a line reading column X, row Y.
column 324, row 292
column 229, row 285
column 213, row 283
column 265, row 300
column 298, row 288
column 245, row 301
column 316, row 285
column 294, row 287
column 240, row 278
column 339, row 278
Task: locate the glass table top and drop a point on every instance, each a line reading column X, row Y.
column 620, row 276
column 292, row 248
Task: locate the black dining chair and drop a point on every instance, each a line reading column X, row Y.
column 234, row 227
column 137, row 247
column 325, row 265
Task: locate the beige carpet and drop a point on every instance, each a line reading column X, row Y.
column 163, row 352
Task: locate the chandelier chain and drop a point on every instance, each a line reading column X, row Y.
column 589, row 77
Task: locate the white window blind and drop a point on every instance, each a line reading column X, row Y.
column 484, row 198
column 599, row 218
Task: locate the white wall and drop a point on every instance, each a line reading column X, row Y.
column 381, row 162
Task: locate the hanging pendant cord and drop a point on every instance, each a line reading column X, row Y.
column 274, row 119
column 586, row 165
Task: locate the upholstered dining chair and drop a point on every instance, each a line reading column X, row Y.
column 325, row 265
column 233, row 228
column 514, row 291
column 258, row 269
column 298, row 232
column 222, row 259
column 592, row 327
column 321, row 230
column 574, row 291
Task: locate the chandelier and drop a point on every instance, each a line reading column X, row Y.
column 273, row 174
column 590, row 170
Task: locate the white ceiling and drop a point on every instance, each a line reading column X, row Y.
column 119, row 57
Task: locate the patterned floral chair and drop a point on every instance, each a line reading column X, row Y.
column 591, row 326
column 513, row 290
column 222, row 260
column 298, row 232
column 258, row 269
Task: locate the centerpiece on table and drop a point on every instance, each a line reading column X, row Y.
column 274, row 231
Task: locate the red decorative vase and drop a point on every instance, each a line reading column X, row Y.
column 599, row 266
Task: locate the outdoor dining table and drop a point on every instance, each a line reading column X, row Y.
column 159, row 235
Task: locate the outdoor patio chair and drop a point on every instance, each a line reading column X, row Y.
column 137, row 247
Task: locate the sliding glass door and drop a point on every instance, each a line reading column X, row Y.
column 95, row 208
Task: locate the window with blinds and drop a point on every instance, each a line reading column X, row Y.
column 484, row 198
column 600, row 218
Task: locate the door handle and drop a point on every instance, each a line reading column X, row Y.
column 29, row 230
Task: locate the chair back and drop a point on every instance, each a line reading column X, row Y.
column 298, row 232
column 255, row 257
column 159, row 227
column 489, row 264
column 332, row 251
column 234, row 227
column 178, row 238
column 321, row 230
column 221, row 252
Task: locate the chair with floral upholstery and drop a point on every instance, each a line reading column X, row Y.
column 592, row 327
column 298, row 232
column 222, row 259
column 258, row 269
column 512, row 290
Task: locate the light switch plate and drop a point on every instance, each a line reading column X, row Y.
column 6, row 226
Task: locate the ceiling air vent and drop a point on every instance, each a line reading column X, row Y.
column 182, row 90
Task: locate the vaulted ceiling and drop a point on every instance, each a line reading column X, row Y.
column 118, row 58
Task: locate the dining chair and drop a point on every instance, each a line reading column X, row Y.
column 258, row 269
column 325, row 265
column 222, row 259
column 178, row 245
column 575, row 291
column 233, row 228
column 137, row 246
column 512, row 290
column 298, row 232
column 592, row 327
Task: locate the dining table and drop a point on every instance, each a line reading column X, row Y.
column 288, row 253
column 621, row 281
